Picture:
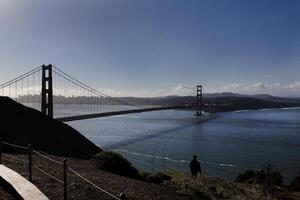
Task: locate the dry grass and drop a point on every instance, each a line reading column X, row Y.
column 213, row 188
column 181, row 187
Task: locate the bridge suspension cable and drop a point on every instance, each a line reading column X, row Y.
column 24, row 89
column 58, row 94
column 90, row 89
column 69, row 91
column 23, row 76
column 71, row 97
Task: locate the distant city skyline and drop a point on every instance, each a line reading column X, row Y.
column 157, row 47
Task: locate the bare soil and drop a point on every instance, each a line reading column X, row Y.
column 78, row 189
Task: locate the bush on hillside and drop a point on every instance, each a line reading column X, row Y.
column 155, row 178
column 260, row 177
column 246, row 176
column 115, row 163
column 275, row 179
column 201, row 195
column 295, row 184
column 163, row 176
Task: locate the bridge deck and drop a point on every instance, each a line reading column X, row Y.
column 18, row 186
column 106, row 114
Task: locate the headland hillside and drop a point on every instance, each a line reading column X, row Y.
column 22, row 126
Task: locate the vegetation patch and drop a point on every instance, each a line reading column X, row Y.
column 295, row 184
column 263, row 184
column 155, row 177
column 265, row 176
column 205, row 187
column 115, row 163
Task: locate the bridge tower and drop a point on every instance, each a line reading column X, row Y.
column 47, row 90
column 199, row 101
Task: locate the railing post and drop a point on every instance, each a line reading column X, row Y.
column 65, row 179
column 30, row 162
column 0, row 150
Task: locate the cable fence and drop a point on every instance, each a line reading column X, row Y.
column 45, row 160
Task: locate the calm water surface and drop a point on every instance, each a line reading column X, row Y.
column 166, row 140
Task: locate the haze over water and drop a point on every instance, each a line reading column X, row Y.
column 227, row 145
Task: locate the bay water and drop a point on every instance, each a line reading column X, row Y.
column 225, row 145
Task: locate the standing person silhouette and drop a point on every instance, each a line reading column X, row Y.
column 195, row 167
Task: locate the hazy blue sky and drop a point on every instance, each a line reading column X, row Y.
column 157, row 47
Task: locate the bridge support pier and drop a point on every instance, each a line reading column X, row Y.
column 47, row 91
column 199, row 101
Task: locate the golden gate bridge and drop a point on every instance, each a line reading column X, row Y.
column 64, row 98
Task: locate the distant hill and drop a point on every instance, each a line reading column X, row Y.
column 168, row 100
column 22, row 125
column 216, row 102
column 256, row 96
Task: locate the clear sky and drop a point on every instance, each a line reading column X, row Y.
column 157, row 47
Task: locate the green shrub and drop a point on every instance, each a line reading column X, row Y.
column 155, row 178
column 163, row 176
column 245, row 176
column 115, row 163
column 144, row 175
column 201, row 195
column 260, row 177
column 295, row 184
column 275, row 178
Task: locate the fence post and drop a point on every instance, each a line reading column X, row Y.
column 30, row 162
column 0, row 150
column 65, row 179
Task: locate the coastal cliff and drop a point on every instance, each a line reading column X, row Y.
column 22, row 125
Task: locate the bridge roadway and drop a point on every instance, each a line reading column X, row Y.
column 106, row 114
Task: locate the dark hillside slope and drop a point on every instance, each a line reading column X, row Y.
column 22, row 125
